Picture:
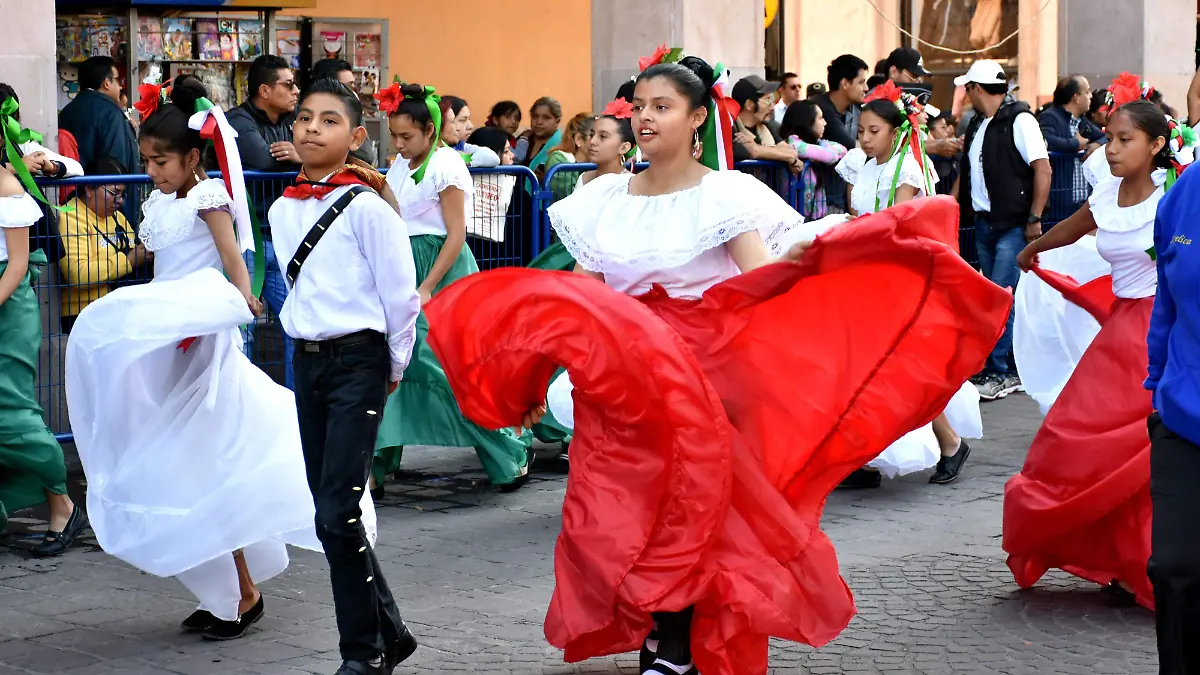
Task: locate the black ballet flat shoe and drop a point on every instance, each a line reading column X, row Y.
column 56, row 543
column 377, row 492
column 663, row 669
column 198, row 621
column 521, row 480
column 232, row 630
column 399, row 650
column 647, row 657
column 1116, row 595
column 861, row 479
column 362, row 668
column 948, row 468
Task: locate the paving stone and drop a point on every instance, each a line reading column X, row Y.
column 473, row 572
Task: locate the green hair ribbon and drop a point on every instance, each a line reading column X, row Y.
column 901, row 146
column 432, row 101
column 14, row 136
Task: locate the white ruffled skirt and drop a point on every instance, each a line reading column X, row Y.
column 189, row 456
column 1051, row 334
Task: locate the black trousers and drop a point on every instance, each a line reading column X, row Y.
column 341, row 388
column 1175, row 548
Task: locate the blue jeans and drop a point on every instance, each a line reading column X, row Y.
column 998, row 262
column 274, row 294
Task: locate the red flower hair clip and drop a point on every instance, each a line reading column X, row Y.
column 150, row 96
column 663, row 54
column 888, row 91
column 390, row 98
column 1126, row 89
column 620, row 109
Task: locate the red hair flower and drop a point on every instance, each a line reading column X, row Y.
column 655, row 58
column 620, row 109
column 390, row 98
column 1126, row 89
column 149, row 97
column 888, row 91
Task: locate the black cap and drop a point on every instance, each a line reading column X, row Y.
column 816, row 89
column 751, row 88
column 906, row 58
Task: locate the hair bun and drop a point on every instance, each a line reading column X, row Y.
column 701, row 68
column 412, row 91
column 185, row 91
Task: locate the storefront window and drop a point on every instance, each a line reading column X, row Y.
column 962, row 25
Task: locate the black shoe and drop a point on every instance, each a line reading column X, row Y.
column 362, row 668
column 377, row 492
column 232, row 630
column 55, row 543
column 198, row 621
column 1117, row 596
column 646, row 657
column 401, row 649
column 949, row 467
column 657, row 667
column 521, row 480
column 862, row 479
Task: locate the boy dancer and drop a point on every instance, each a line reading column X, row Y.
column 352, row 308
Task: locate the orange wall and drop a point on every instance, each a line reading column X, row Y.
column 485, row 50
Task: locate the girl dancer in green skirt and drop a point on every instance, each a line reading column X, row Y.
column 433, row 188
column 32, row 470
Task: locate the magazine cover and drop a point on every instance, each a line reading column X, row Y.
column 367, row 50
column 334, row 44
column 208, row 44
column 103, row 38
column 288, row 46
column 177, row 39
column 70, row 41
column 250, row 39
column 229, row 40
column 150, row 39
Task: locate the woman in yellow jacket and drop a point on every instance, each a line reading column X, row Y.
column 99, row 244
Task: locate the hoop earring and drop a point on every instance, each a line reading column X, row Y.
column 697, row 146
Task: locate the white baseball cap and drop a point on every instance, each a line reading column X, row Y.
column 982, row 72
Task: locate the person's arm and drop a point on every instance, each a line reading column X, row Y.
column 220, row 224
column 1056, row 142
column 482, row 158
column 16, row 239
column 1063, row 234
column 774, row 153
column 749, row 251
column 253, row 148
column 1193, row 100
column 817, row 153
column 957, row 184
column 588, row 273
column 81, row 264
column 67, row 167
column 1162, row 317
column 383, row 239
column 904, row 193
column 453, row 204
column 1094, row 134
column 1042, row 175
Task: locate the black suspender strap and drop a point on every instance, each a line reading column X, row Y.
column 318, row 230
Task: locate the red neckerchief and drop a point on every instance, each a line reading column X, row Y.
column 349, row 174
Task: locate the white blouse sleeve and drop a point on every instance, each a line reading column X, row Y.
column 447, row 169
column 19, row 211
column 209, row 195
column 850, row 165
column 910, row 174
column 73, row 167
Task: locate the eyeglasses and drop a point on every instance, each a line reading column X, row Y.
column 287, row 84
column 115, row 193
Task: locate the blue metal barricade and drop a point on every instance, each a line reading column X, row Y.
column 504, row 227
column 1068, row 187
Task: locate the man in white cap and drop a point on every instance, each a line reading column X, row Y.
column 1004, row 183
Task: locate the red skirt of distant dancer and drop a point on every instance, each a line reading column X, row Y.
column 708, row 433
column 1082, row 501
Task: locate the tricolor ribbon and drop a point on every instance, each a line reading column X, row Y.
column 14, row 137
column 716, row 135
column 1182, row 145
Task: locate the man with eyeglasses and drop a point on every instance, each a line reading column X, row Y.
column 264, row 127
column 95, row 118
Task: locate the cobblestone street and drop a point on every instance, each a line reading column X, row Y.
column 472, row 571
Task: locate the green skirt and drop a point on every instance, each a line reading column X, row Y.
column 423, row 411
column 555, row 257
column 31, row 460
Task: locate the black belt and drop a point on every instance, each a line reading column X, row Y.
column 333, row 344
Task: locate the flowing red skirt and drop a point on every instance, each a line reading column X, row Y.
column 709, row 432
column 1082, row 501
